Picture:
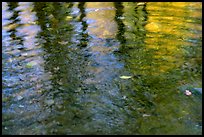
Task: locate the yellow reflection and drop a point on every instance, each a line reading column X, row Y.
column 102, row 14
column 169, row 26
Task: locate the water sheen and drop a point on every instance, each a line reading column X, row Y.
column 62, row 68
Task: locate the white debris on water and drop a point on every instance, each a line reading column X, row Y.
column 19, row 97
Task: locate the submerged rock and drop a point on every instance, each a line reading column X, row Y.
column 188, row 93
column 199, row 90
column 193, row 90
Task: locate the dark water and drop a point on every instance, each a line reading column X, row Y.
column 62, row 68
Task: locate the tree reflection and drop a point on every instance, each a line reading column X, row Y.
column 21, row 49
column 76, row 80
column 84, row 33
column 121, row 27
column 155, row 52
column 64, row 63
column 14, row 22
column 56, row 38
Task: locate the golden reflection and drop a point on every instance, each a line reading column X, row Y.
column 174, row 20
column 103, row 14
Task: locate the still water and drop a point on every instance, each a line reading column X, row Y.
column 101, row 68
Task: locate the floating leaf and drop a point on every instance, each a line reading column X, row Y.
column 121, row 18
column 141, row 3
column 125, row 77
column 24, row 54
column 63, row 42
column 68, row 17
column 31, row 64
column 146, row 115
column 21, row 106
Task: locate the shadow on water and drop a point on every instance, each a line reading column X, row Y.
column 62, row 64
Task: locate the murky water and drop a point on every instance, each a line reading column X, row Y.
column 62, row 68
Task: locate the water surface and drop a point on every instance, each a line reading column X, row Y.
column 62, row 67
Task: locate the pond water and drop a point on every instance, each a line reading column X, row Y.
column 101, row 68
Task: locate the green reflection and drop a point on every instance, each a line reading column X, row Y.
column 83, row 93
column 163, row 63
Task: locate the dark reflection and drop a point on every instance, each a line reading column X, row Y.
column 84, row 33
column 42, row 16
column 132, row 38
column 141, row 17
column 65, row 66
column 14, row 21
column 121, row 27
column 56, row 36
column 12, row 6
column 135, row 32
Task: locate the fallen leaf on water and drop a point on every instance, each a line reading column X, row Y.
column 141, row 3
column 121, row 18
column 63, row 42
column 124, row 97
column 146, row 115
column 24, row 54
column 68, row 17
column 125, row 77
column 31, row 64
column 21, row 106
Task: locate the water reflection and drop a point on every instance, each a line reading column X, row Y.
column 101, row 20
column 118, row 18
column 98, row 84
column 20, row 82
column 10, row 23
column 65, row 64
column 81, row 49
column 164, row 56
column 84, row 33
